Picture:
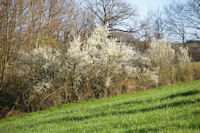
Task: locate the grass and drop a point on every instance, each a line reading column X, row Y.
column 173, row 108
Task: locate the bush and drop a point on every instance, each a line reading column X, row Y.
column 173, row 67
column 97, row 67
column 196, row 70
column 46, row 72
column 99, row 64
column 35, row 75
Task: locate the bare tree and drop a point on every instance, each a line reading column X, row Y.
column 27, row 23
column 145, row 30
column 175, row 23
column 192, row 16
column 158, row 25
column 151, row 27
column 114, row 13
column 12, row 13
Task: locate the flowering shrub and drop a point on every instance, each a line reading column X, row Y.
column 173, row 67
column 108, row 59
column 44, row 64
column 94, row 68
column 183, row 56
column 40, row 72
column 161, row 53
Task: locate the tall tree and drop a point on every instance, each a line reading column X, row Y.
column 158, row 25
column 113, row 13
column 192, row 16
column 12, row 14
column 175, row 23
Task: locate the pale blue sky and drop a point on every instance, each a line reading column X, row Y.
column 144, row 6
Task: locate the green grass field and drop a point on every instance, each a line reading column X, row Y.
column 174, row 108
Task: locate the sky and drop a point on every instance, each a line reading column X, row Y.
column 144, row 6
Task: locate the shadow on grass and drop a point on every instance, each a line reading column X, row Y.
column 130, row 111
column 182, row 94
column 144, row 130
column 161, row 129
column 120, row 105
column 133, row 111
column 127, row 103
column 130, row 103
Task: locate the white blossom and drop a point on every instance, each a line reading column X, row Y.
column 100, row 50
column 183, row 56
column 161, row 53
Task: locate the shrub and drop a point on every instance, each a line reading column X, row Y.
column 46, row 72
column 93, row 68
column 184, row 66
column 196, row 70
column 173, row 67
column 161, row 53
column 33, row 82
column 99, row 64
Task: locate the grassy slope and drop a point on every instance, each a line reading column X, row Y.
column 174, row 108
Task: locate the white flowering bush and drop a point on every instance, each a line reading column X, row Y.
column 185, row 69
column 172, row 66
column 98, row 49
column 41, row 72
column 183, row 56
column 161, row 53
column 96, row 67
column 101, row 62
column 44, row 64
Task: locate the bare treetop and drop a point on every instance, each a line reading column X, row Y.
column 112, row 13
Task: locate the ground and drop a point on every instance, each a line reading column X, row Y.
column 173, row 108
